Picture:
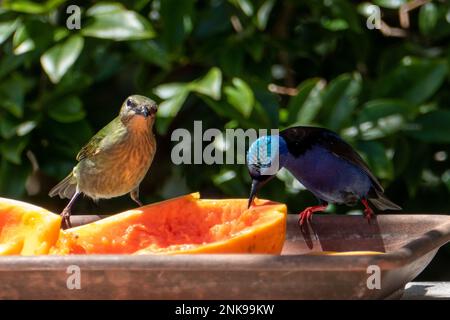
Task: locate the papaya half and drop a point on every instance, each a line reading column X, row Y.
column 186, row 224
column 26, row 229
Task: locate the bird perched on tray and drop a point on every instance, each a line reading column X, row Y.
column 324, row 163
column 116, row 159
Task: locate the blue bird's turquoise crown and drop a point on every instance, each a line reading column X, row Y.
column 263, row 157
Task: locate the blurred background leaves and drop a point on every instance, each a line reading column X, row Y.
column 232, row 64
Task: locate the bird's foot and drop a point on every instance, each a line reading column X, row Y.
column 306, row 215
column 368, row 212
column 135, row 197
column 65, row 214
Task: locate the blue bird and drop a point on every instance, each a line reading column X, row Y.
column 324, row 163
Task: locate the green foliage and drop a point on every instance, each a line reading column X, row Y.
column 229, row 64
column 59, row 58
column 112, row 21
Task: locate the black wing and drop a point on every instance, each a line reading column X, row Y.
column 301, row 139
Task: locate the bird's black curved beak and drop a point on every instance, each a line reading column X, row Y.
column 148, row 110
column 255, row 187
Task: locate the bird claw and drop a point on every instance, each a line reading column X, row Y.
column 368, row 212
column 65, row 214
column 305, row 216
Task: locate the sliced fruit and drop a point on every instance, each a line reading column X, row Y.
column 182, row 225
column 26, row 229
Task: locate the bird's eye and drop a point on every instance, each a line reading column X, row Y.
column 129, row 103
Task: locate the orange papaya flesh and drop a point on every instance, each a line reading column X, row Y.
column 186, row 224
column 26, row 229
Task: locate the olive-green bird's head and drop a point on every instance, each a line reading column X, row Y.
column 138, row 111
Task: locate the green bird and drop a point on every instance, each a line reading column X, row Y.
column 115, row 160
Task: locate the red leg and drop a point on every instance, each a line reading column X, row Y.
column 368, row 212
column 306, row 215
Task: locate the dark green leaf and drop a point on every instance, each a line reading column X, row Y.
column 10, row 62
column 266, row 107
column 169, row 90
column 428, row 16
column 32, row 7
column 68, row 109
column 240, row 96
column 171, row 106
column 57, row 60
column 380, row 118
column 340, row 99
column 433, row 127
column 25, row 127
column 12, row 149
column 8, row 125
column 245, row 5
column 151, row 51
column 343, row 16
column 228, row 181
column 12, row 179
column 210, row 85
column 214, row 21
column 222, row 109
column 304, row 107
column 446, row 179
column 334, row 24
column 177, row 19
column 67, row 138
column 35, row 35
column 22, row 42
column 376, row 157
column 105, row 8
column 415, row 80
column 402, row 156
column 176, row 96
column 7, row 28
column 390, row 4
column 112, row 21
column 77, row 82
column 262, row 16
column 12, row 94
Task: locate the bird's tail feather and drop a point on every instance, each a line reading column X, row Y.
column 383, row 203
column 66, row 188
